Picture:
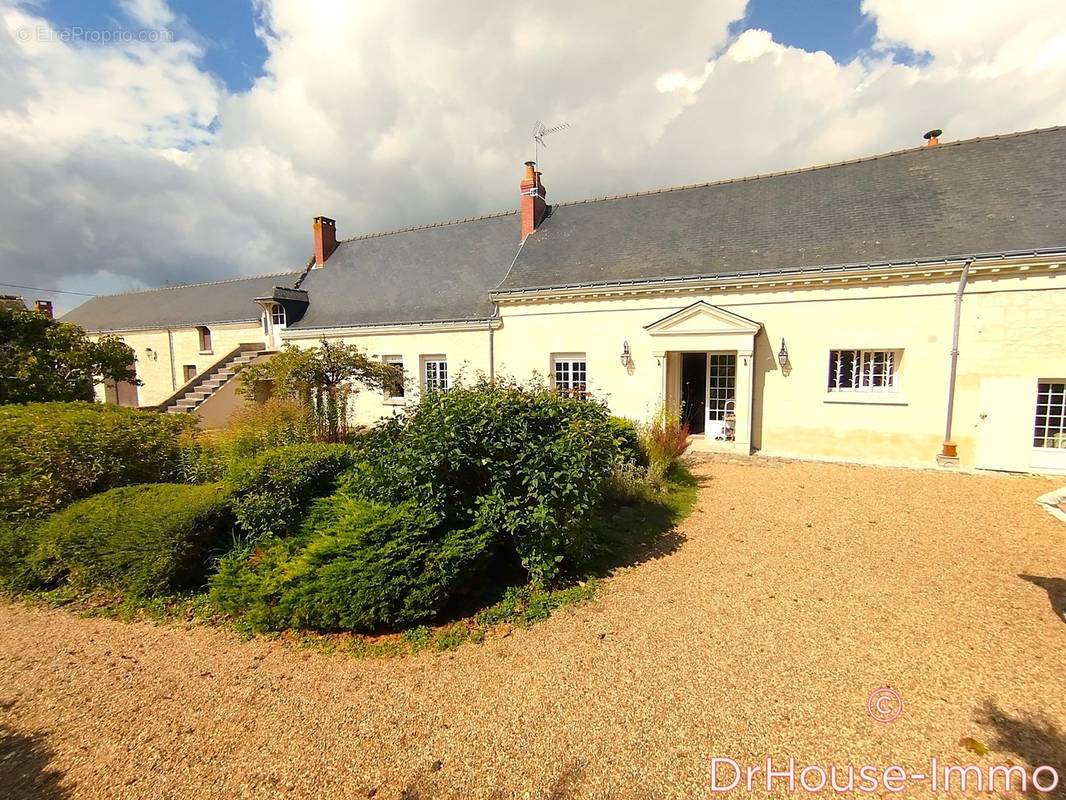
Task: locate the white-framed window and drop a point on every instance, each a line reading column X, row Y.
column 277, row 314
column 435, row 373
column 864, row 370
column 570, row 374
column 394, row 390
column 1049, row 429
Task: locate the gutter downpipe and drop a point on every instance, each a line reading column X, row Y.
column 492, row 350
column 173, row 366
column 950, row 449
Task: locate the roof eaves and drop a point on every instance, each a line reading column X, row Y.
column 765, row 273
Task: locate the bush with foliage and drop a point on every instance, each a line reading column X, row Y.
column 52, row 454
column 42, row 359
column 520, row 461
column 323, row 380
column 665, row 439
column 627, row 437
column 273, row 490
column 359, row 565
column 18, row 540
column 144, row 540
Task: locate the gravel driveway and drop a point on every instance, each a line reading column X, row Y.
column 793, row 591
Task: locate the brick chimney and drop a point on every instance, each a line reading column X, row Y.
column 325, row 230
column 932, row 138
column 43, row 307
column 533, row 195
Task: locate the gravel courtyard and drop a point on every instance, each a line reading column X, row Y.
column 791, row 592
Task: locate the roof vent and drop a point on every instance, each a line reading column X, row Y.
column 932, row 138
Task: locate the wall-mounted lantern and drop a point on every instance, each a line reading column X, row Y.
column 627, row 357
column 148, row 351
column 782, row 355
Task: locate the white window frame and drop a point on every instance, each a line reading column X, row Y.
column 439, row 364
column 565, row 367
column 1053, row 417
column 864, row 377
column 278, row 317
column 389, row 397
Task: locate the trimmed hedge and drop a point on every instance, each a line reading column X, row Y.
column 520, row 461
column 17, row 543
column 273, row 490
column 144, row 540
column 52, row 454
column 360, row 565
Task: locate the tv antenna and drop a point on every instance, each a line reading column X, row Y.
column 540, row 130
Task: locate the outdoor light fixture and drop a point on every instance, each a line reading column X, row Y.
column 626, row 357
column 148, row 351
column 782, row 356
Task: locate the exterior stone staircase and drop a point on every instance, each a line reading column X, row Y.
column 186, row 399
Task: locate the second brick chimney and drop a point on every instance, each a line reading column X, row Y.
column 325, row 230
column 533, row 196
column 43, row 307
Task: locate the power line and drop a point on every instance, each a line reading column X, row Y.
column 40, row 289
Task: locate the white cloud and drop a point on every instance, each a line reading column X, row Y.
column 128, row 164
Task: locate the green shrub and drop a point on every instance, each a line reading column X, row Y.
column 144, row 540
column 520, row 461
column 273, row 490
column 17, row 543
column 627, row 438
column 258, row 427
column 52, row 454
column 358, row 566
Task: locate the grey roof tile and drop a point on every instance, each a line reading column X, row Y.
column 995, row 194
column 179, row 306
column 429, row 274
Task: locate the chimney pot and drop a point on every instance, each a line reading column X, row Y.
column 932, row 138
column 43, row 307
column 325, row 234
column 532, row 201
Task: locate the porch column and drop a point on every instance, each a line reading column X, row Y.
column 660, row 357
column 744, row 383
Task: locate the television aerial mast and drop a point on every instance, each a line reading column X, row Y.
column 540, row 130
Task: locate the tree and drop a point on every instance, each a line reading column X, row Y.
column 44, row 360
column 323, row 378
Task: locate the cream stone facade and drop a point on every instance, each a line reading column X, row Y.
column 807, row 314
column 164, row 355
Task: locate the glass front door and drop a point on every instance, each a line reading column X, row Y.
column 721, row 395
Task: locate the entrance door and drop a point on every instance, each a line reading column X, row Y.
column 694, row 391
column 721, row 395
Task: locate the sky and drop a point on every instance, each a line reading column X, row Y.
column 143, row 142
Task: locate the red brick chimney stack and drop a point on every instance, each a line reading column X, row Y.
column 43, row 307
column 325, row 230
column 533, row 196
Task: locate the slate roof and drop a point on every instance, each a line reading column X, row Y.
column 437, row 273
column 999, row 194
column 179, row 306
column 995, row 194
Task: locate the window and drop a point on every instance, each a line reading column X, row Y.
column 1050, row 427
column 205, row 338
column 570, row 375
column 723, row 385
column 863, row 370
column 190, row 372
column 435, row 373
column 277, row 314
column 394, row 390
